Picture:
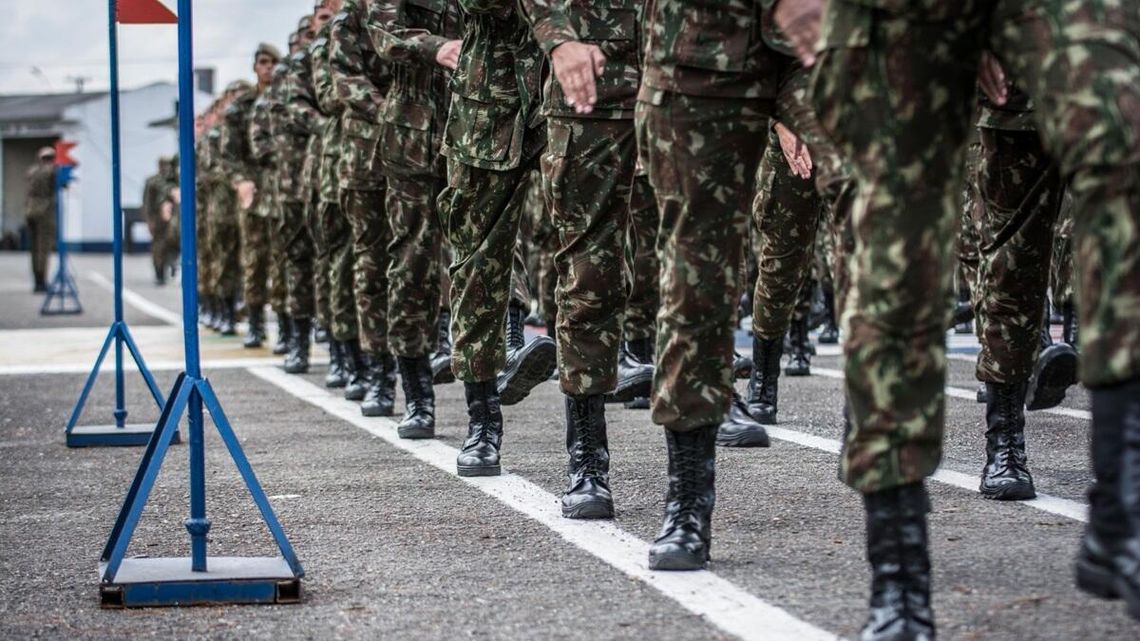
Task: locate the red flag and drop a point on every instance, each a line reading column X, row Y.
column 63, row 153
column 143, row 12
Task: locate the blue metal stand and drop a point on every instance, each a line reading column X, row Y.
column 62, row 294
column 119, row 434
column 197, row 579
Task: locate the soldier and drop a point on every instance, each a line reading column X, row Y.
column 906, row 132
column 492, row 140
column 156, row 190
column 202, row 229
column 249, row 170
column 229, row 198
column 40, row 207
column 421, row 40
column 361, row 82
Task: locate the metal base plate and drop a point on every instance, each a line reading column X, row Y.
column 162, row 582
column 111, row 436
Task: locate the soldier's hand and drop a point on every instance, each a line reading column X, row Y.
column 167, row 212
column 576, row 65
column 991, row 77
column 246, row 191
column 795, row 151
column 800, row 22
column 448, row 54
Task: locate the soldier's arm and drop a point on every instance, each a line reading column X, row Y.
column 496, row 8
column 394, row 42
column 233, row 157
column 299, row 100
column 550, row 22
column 346, row 63
column 576, row 65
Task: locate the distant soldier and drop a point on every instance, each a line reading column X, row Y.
column 156, row 190
column 40, row 209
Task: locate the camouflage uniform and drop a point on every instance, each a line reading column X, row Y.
column 1061, row 269
column 643, row 295
column 240, row 163
column 492, row 139
column 587, row 177
column 409, row 34
column 205, row 242
column 291, row 135
column 333, row 226
column 360, row 81
column 156, row 191
column 539, row 243
column 222, row 211
column 41, row 217
column 708, row 90
column 904, row 221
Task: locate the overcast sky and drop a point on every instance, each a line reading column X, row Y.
column 46, row 44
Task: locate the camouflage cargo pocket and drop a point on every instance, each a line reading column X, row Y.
column 406, row 138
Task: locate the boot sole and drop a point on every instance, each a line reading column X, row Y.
column 296, row 370
column 589, row 511
column 638, row 404
column 355, row 397
column 377, row 412
column 338, row 384
column 1054, row 379
column 1130, row 597
column 479, row 470
column 806, row 371
column 754, row 439
column 639, row 387
column 418, row 434
column 1096, row 580
column 535, row 368
column 1012, row 492
column 256, row 345
column 677, row 561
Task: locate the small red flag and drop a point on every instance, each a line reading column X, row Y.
column 63, row 153
column 143, row 12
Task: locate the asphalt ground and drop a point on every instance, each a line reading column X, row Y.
column 395, row 546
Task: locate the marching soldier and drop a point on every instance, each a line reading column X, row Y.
column 40, row 207
column 156, row 190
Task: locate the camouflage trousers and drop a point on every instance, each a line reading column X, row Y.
column 297, row 244
column 42, row 230
column 1061, row 270
column 539, row 241
column 371, row 233
column 416, row 254
column 786, row 214
column 969, row 228
column 225, row 237
column 321, row 292
column 701, row 155
column 161, row 254
column 1014, row 277
column 256, row 257
column 337, row 234
column 1079, row 67
column 587, row 177
column 205, row 244
column 643, row 293
column 481, row 210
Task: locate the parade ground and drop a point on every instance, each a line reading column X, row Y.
column 396, row 546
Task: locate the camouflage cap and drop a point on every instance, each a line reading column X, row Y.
column 45, row 152
column 266, row 49
column 237, row 86
column 305, row 22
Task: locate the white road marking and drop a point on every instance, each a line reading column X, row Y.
column 703, row 593
column 137, row 301
column 970, row 395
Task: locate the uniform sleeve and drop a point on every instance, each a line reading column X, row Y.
column 398, row 44
column 550, row 22
column 496, row 8
column 351, row 84
column 300, row 101
column 234, row 157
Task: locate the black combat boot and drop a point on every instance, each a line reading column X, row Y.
column 228, row 326
column 642, row 350
column 480, row 453
column 741, row 366
column 897, row 549
column 321, row 334
column 587, row 493
column 381, row 397
column 635, row 378
column 763, row 387
column 284, row 335
column 982, row 395
column 829, row 335
column 159, row 276
column 799, row 360
column 356, row 368
column 441, row 360
column 963, row 315
column 739, row 429
column 1070, row 328
column 1053, row 374
column 1108, row 564
column 1005, row 476
column 528, row 364
column 204, row 312
column 419, row 398
column 297, row 360
column 337, row 375
column 256, row 334
column 216, row 313
column 685, row 539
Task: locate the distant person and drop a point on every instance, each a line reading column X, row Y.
column 40, row 210
column 156, row 191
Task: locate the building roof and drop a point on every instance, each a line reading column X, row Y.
column 42, row 107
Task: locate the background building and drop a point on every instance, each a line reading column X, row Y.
column 28, row 122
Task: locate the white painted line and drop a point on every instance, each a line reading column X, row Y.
column 137, row 301
column 1067, row 508
column 157, row 366
column 970, row 395
column 703, row 593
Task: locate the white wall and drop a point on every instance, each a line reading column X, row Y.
column 89, row 218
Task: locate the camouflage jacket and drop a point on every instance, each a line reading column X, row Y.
column 40, row 203
column 156, row 189
column 236, row 156
column 495, row 121
column 703, row 48
column 360, row 82
column 409, row 34
column 612, row 25
column 323, row 90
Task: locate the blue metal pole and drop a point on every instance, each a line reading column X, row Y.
column 116, row 212
column 197, row 524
